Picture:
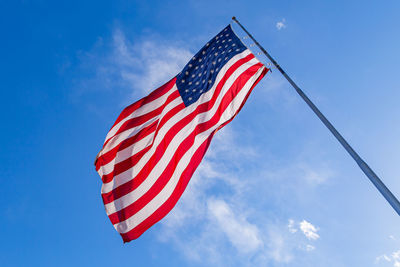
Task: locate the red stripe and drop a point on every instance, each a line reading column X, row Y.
column 147, row 99
column 124, row 165
column 110, row 155
column 183, row 148
column 136, row 121
column 181, row 186
column 142, row 175
column 171, row 202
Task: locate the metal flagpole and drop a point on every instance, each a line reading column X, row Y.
column 364, row 166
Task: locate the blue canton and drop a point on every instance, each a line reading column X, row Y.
column 200, row 73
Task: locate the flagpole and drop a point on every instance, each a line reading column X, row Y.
column 363, row 166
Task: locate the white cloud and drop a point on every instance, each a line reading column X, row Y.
column 396, row 255
column 281, row 24
column 309, row 230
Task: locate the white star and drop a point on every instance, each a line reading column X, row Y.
column 194, row 90
column 216, row 38
column 193, row 58
column 217, row 69
column 190, row 98
column 238, row 49
column 217, row 41
column 200, row 60
column 204, row 81
column 197, row 83
column 223, row 52
column 209, row 81
column 201, row 91
column 226, row 35
column 213, row 48
column 230, row 40
column 187, row 90
column 233, row 44
column 212, row 71
column 216, row 54
column 219, row 60
column 190, row 83
column 201, row 66
column 204, row 52
column 207, row 44
column 197, row 67
column 187, row 73
column 193, row 75
column 226, row 46
column 214, row 63
column 199, row 74
column 219, row 47
column 221, row 35
column 183, row 81
column 230, row 50
column 225, row 30
column 190, row 65
column 226, row 58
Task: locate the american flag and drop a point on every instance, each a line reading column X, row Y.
column 156, row 143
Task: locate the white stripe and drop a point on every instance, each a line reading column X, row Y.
column 126, row 153
column 165, row 194
column 117, row 139
column 156, row 103
column 139, row 146
column 129, row 174
column 158, row 169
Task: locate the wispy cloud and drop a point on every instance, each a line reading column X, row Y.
column 134, row 67
column 291, row 226
column 281, row 24
column 393, row 257
column 242, row 234
column 310, row 247
column 147, row 64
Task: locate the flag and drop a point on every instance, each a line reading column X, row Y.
column 156, row 144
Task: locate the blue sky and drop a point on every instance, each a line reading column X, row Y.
column 275, row 188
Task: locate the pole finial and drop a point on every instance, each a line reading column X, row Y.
column 234, row 18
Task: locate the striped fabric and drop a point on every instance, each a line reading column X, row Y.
column 156, row 144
